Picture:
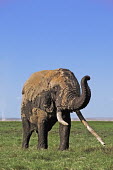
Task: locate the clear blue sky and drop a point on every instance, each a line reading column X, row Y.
column 48, row 34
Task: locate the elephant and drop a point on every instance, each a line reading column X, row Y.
column 49, row 96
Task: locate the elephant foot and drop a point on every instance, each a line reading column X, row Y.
column 25, row 146
column 63, row 148
column 40, row 147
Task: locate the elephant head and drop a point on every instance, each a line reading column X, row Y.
column 69, row 96
column 75, row 101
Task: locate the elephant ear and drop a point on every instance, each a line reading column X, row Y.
column 44, row 101
column 48, row 102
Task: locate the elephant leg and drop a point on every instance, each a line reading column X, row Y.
column 42, row 134
column 51, row 122
column 27, row 132
column 64, row 131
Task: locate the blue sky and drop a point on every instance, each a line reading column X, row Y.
column 39, row 34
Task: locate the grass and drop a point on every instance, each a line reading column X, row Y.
column 85, row 152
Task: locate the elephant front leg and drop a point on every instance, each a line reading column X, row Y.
column 26, row 132
column 64, row 131
column 42, row 135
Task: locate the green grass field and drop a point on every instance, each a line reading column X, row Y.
column 85, row 152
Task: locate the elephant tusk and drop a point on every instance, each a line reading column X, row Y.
column 79, row 114
column 60, row 119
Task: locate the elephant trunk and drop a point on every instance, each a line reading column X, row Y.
column 82, row 101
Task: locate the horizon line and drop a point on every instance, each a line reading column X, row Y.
column 72, row 119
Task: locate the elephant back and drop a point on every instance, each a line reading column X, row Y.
column 46, row 80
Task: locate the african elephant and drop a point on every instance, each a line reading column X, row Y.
column 49, row 96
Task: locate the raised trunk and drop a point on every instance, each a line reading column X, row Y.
column 81, row 102
column 77, row 103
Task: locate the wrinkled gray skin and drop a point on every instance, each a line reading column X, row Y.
column 50, row 96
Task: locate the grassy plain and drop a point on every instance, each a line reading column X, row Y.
column 85, row 152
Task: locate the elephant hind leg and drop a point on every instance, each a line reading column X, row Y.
column 27, row 132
